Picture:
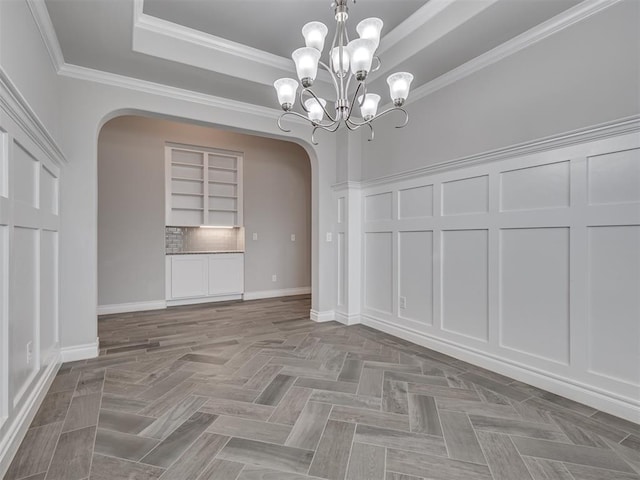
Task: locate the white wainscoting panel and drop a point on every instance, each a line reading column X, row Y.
column 4, row 323
column 378, row 285
column 534, row 292
column 342, row 268
column 378, row 207
column 614, row 177
column 48, row 295
column 415, row 202
column 544, row 186
column 469, row 195
column 48, row 191
column 341, row 210
column 527, row 265
column 614, row 302
column 4, row 164
column 25, row 176
column 415, row 276
column 465, row 277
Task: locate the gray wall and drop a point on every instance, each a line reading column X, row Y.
column 131, row 207
column 582, row 76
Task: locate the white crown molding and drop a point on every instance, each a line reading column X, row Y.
column 532, row 36
column 598, row 132
column 348, row 185
column 43, row 21
column 18, row 109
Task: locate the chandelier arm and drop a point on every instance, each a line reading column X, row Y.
column 327, row 128
column 355, row 98
column 331, row 74
column 370, row 139
column 377, row 67
column 392, row 109
column 310, row 92
column 290, row 112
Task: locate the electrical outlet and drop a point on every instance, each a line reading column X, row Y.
column 403, row 302
column 329, row 237
column 293, row 237
column 29, row 352
column 255, row 236
column 274, row 278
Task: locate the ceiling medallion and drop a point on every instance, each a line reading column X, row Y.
column 348, row 61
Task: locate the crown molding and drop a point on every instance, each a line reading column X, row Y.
column 47, row 32
column 532, row 36
column 583, row 135
column 18, row 109
column 347, row 185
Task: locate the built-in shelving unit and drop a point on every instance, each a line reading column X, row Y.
column 203, row 186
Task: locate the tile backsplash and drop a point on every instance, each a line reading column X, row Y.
column 194, row 239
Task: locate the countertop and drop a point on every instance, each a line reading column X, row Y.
column 205, row 252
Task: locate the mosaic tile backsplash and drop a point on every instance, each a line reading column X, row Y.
column 194, row 239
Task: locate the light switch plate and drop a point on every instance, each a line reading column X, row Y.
column 329, row 237
column 293, row 237
column 255, row 236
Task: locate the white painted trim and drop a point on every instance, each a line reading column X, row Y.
column 131, row 307
column 18, row 109
column 597, row 398
column 320, row 317
column 348, row 319
column 22, row 419
column 194, row 301
column 598, row 132
column 80, row 352
column 285, row 292
column 43, row 21
column 532, row 36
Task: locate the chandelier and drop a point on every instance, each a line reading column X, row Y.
column 347, row 61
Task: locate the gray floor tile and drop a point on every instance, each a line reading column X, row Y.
column 267, row 455
column 366, row 462
column 332, row 455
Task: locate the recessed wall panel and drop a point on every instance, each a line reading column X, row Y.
column 415, row 275
column 23, row 311
column 378, row 281
column 543, row 186
column 342, row 269
column 4, row 164
column 4, row 319
column 48, row 293
column 415, row 202
column 614, row 302
column 470, row 195
column 341, row 210
column 465, row 283
column 25, row 176
column 378, row 207
column 614, row 177
column 48, row 192
column 534, row 292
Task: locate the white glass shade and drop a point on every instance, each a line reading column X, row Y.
column 314, row 34
column 315, row 109
column 306, row 59
column 361, row 55
column 369, row 107
column 399, row 84
column 335, row 59
column 370, row 29
column 286, row 89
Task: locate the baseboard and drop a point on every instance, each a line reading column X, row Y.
column 348, row 318
column 566, row 387
column 195, row 301
column 285, row 292
column 23, row 418
column 131, row 307
column 320, row 317
column 80, row 352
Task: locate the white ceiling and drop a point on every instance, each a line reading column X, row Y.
column 236, row 48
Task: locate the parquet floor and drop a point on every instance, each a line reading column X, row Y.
column 256, row 390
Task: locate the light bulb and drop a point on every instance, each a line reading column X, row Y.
column 369, row 107
column 314, row 34
column 399, row 84
column 306, row 59
column 315, row 110
column 335, row 59
column 370, row 29
column 361, row 55
column 286, row 89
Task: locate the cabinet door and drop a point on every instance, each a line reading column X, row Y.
column 226, row 274
column 189, row 276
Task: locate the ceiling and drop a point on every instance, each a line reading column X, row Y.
column 236, row 49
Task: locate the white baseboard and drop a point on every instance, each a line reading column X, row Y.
column 348, row 319
column 131, row 307
column 80, row 352
column 24, row 416
column 285, row 292
column 320, row 317
column 566, row 387
column 195, row 301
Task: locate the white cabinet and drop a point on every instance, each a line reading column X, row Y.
column 226, row 274
column 203, row 187
column 204, row 277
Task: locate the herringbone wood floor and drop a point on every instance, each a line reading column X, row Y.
column 256, row 390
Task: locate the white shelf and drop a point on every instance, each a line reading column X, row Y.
column 187, row 179
column 185, row 164
column 224, row 169
column 188, row 194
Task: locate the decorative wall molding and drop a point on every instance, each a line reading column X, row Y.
column 320, row 317
column 43, row 22
column 567, row 387
column 284, row 292
column 20, row 422
column 19, row 110
column 131, row 307
column 80, row 352
column 348, row 319
column 574, row 137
